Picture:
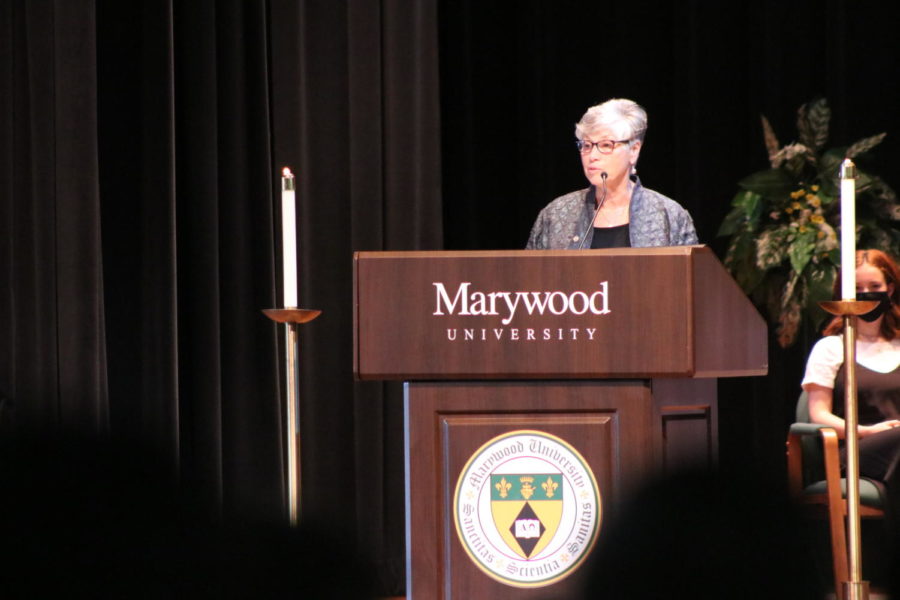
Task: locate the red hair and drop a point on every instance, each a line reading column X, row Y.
column 890, row 324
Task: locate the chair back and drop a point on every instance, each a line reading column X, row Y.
column 813, row 454
column 801, row 415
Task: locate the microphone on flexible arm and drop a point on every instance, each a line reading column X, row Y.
column 600, row 202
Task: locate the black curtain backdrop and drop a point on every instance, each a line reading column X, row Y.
column 139, row 222
column 141, row 150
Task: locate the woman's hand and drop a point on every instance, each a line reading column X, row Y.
column 867, row 430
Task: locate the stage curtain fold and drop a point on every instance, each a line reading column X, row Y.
column 141, row 236
column 53, row 318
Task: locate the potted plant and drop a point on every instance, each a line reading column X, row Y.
column 783, row 228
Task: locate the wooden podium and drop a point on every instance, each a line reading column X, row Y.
column 541, row 387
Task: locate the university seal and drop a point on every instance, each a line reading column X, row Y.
column 527, row 508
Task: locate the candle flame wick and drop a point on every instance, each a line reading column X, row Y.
column 286, row 172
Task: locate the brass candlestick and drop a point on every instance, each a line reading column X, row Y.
column 855, row 588
column 292, row 317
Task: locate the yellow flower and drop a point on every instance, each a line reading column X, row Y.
column 814, row 188
column 820, row 235
column 796, row 206
column 802, row 228
column 789, row 210
column 798, row 194
column 813, row 200
column 817, row 219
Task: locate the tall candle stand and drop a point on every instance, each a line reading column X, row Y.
column 292, row 318
column 848, row 308
column 855, row 588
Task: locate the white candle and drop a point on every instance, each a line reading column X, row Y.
column 848, row 230
column 289, row 238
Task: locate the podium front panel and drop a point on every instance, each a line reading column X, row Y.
column 610, row 425
column 526, row 314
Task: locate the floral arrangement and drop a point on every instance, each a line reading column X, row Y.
column 784, row 222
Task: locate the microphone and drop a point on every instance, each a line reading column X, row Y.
column 600, row 202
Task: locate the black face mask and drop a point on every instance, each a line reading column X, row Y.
column 884, row 303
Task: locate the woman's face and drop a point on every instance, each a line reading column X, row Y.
column 617, row 164
column 869, row 278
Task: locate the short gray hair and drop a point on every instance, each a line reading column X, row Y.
column 626, row 118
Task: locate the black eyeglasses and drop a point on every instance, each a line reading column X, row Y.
column 604, row 146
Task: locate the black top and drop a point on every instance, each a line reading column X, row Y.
column 877, row 395
column 611, row 237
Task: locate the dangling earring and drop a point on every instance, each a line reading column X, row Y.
column 634, row 170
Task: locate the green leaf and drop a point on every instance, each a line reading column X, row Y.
column 820, row 282
column 733, row 220
column 741, row 261
column 802, row 249
column 771, row 183
column 834, row 155
column 750, row 203
column 873, row 236
column 741, row 249
column 829, row 167
column 750, row 278
column 825, row 198
column 864, row 182
column 820, row 287
column 745, row 214
column 882, row 191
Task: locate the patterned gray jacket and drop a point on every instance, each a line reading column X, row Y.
column 654, row 220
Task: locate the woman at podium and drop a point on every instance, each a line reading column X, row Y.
column 877, row 375
column 616, row 210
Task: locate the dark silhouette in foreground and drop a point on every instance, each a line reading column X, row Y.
column 86, row 518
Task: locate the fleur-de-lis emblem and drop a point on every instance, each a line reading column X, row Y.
column 527, row 489
column 503, row 487
column 549, row 487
